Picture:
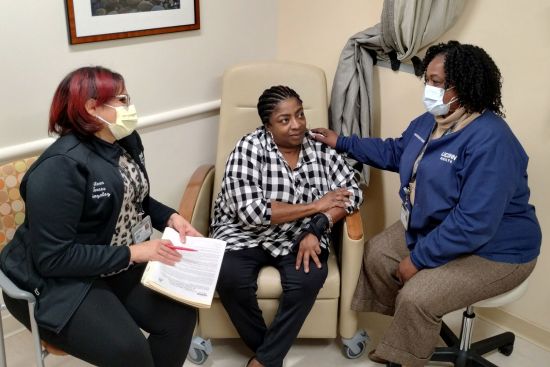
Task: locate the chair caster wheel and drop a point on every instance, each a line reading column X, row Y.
column 355, row 347
column 197, row 356
column 199, row 351
column 351, row 354
column 506, row 349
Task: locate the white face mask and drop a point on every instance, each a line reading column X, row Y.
column 433, row 100
column 126, row 121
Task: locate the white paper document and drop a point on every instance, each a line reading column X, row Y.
column 193, row 279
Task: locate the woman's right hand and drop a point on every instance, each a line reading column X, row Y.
column 338, row 198
column 309, row 249
column 154, row 250
column 325, row 136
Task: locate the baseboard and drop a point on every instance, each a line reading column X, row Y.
column 520, row 327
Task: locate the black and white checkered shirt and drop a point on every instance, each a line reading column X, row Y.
column 256, row 174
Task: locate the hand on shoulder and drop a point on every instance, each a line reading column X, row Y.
column 325, row 136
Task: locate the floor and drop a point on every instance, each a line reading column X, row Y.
column 311, row 352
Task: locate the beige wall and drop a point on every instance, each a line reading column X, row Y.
column 163, row 73
column 516, row 35
column 171, row 71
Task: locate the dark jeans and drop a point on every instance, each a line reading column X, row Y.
column 105, row 329
column 237, row 286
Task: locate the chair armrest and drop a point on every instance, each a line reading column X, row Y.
column 354, row 225
column 351, row 257
column 14, row 291
column 197, row 198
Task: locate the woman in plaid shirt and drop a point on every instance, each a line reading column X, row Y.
column 280, row 195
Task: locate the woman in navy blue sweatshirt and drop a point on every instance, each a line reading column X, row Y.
column 467, row 230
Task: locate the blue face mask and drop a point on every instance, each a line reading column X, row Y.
column 433, row 100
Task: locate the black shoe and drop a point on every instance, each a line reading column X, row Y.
column 373, row 357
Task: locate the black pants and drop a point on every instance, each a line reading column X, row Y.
column 105, row 329
column 237, row 286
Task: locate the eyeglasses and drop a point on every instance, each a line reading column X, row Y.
column 124, row 99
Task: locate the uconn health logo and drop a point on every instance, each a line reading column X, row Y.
column 448, row 157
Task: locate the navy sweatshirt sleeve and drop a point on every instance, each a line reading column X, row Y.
column 56, row 191
column 379, row 153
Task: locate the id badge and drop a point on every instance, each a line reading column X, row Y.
column 143, row 230
column 405, row 216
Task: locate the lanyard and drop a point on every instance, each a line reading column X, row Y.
column 418, row 159
column 421, row 154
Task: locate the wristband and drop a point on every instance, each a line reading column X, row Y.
column 330, row 221
column 317, row 226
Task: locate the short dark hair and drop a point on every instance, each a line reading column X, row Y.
column 271, row 97
column 472, row 72
column 68, row 111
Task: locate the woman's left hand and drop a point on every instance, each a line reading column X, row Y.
column 184, row 228
column 325, row 136
column 406, row 270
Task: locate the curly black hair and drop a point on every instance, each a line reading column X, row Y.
column 472, row 72
column 271, row 97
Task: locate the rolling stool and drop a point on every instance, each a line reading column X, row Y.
column 461, row 351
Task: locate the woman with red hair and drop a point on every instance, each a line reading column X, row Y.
column 86, row 237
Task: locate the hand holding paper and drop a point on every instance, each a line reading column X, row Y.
column 182, row 226
column 193, row 279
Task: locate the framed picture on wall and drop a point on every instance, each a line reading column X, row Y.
column 102, row 20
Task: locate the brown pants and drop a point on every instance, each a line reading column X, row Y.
column 418, row 306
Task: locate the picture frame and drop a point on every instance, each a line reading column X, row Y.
column 93, row 21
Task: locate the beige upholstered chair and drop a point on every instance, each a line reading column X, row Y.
column 12, row 214
column 242, row 85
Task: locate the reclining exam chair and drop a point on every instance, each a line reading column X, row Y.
column 242, row 86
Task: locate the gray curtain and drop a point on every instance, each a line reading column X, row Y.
column 406, row 27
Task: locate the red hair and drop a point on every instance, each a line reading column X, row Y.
column 68, row 111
